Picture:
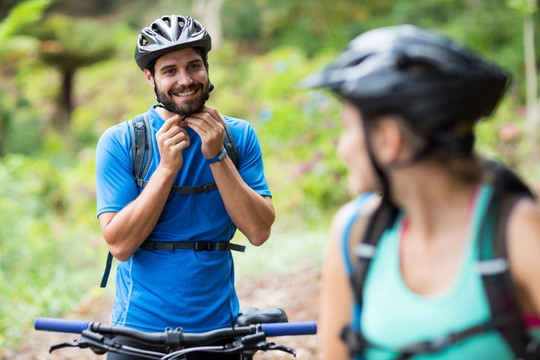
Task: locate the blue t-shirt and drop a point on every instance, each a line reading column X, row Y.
column 156, row 289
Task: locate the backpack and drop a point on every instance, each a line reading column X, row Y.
column 141, row 150
column 492, row 264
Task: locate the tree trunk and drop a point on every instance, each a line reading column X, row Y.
column 3, row 135
column 64, row 106
column 62, row 120
column 533, row 112
column 207, row 12
column 530, row 71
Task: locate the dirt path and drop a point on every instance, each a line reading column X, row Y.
column 296, row 293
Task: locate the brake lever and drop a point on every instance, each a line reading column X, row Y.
column 99, row 344
column 81, row 343
column 273, row 346
column 258, row 342
column 63, row 345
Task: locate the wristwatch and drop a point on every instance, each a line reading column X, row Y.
column 219, row 157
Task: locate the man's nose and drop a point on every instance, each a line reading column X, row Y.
column 183, row 78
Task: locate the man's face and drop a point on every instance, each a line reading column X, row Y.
column 181, row 81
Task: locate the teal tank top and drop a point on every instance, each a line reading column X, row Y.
column 393, row 316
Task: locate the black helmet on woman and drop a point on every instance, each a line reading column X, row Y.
column 431, row 81
column 169, row 33
column 437, row 86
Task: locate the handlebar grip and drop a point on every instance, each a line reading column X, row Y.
column 60, row 325
column 292, row 328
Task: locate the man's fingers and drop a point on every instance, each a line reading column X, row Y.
column 182, row 136
column 170, row 123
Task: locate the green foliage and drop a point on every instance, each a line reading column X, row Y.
column 298, row 130
column 47, row 239
column 25, row 13
column 242, row 19
column 21, row 124
column 525, row 7
column 69, row 44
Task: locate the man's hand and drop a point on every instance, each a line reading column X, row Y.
column 171, row 140
column 210, row 126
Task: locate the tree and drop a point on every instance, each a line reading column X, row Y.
column 208, row 13
column 15, row 46
column 528, row 8
column 69, row 45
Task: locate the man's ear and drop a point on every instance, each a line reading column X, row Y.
column 149, row 77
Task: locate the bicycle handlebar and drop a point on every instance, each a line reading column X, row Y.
column 60, row 325
column 243, row 339
column 292, row 328
column 78, row 326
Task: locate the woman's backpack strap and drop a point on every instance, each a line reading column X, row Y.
column 381, row 220
column 493, row 263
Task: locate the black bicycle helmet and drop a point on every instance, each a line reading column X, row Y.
column 435, row 84
column 169, row 33
column 430, row 80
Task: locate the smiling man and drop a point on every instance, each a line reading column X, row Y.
column 170, row 226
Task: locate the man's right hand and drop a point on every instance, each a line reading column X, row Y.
column 171, row 140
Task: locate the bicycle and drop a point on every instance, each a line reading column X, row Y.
column 247, row 336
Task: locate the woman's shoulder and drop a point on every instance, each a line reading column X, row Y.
column 353, row 216
column 524, row 251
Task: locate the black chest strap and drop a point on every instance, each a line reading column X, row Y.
column 191, row 245
column 176, row 245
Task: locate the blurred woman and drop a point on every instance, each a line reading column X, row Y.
column 443, row 261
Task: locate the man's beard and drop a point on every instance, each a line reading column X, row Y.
column 186, row 108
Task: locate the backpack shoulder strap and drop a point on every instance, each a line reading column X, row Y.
column 493, row 263
column 141, row 153
column 141, row 147
column 142, row 156
column 230, row 146
column 382, row 219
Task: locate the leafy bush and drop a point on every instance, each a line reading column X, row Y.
column 47, row 239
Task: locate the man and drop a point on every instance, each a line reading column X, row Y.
column 184, row 287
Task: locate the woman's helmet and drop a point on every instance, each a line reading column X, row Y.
column 169, row 33
column 436, row 85
column 431, row 81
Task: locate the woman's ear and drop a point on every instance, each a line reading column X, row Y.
column 387, row 141
column 149, row 77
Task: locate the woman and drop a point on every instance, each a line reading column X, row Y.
column 411, row 100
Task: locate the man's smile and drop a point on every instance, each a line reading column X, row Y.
column 184, row 93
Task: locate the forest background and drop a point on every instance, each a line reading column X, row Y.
column 67, row 74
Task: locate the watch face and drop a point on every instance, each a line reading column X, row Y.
column 222, row 155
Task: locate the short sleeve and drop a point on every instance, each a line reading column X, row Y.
column 115, row 185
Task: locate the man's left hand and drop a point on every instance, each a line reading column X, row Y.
column 210, row 126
